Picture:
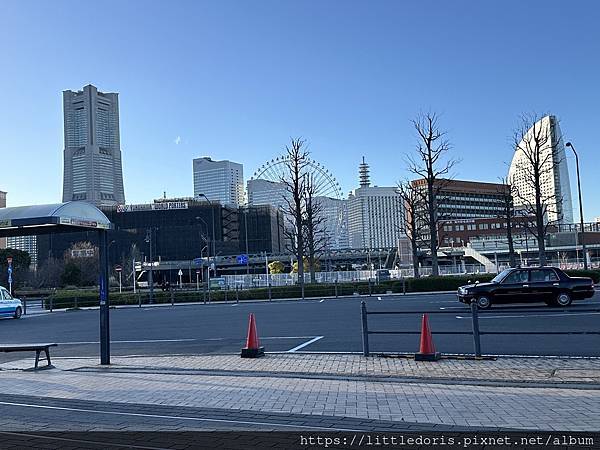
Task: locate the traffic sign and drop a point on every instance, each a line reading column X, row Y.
column 198, row 261
column 197, row 272
column 118, row 268
column 180, row 272
column 242, row 259
column 10, row 270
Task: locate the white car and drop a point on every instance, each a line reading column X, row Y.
column 9, row 306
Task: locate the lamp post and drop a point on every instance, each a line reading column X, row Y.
column 583, row 246
column 246, row 229
column 150, row 275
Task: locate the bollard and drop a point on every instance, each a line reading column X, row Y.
column 24, row 306
column 369, row 287
column 403, row 286
column 76, row 302
column 172, row 297
column 476, row 339
column 269, row 291
column 365, row 328
column 139, row 300
column 226, row 288
column 336, row 288
column 237, row 294
column 51, row 303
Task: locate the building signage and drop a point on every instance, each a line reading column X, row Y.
column 83, row 253
column 162, row 206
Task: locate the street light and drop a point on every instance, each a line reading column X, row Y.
column 583, row 246
column 150, row 276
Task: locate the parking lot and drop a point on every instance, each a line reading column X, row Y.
column 317, row 325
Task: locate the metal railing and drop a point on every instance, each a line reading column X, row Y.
column 475, row 332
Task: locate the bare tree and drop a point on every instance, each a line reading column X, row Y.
column 537, row 160
column 506, row 193
column 315, row 236
column 430, row 164
column 294, row 180
column 412, row 225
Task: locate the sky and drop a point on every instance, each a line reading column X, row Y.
column 237, row 79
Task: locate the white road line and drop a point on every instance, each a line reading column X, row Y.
column 322, row 300
column 528, row 315
column 159, row 416
column 315, row 339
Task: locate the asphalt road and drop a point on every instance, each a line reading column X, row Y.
column 330, row 325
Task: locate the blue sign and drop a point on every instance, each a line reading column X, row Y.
column 9, row 278
column 242, row 259
column 9, row 270
column 198, row 261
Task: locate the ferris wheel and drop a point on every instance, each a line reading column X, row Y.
column 325, row 183
column 327, row 191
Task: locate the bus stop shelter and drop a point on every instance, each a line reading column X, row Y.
column 67, row 218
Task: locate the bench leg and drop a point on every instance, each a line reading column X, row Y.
column 47, row 350
column 37, row 358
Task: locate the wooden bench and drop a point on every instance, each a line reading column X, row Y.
column 37, row 348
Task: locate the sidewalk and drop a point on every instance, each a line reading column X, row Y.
column 526, row 393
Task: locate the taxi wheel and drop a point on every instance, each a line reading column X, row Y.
column 18, row 312
column 484, row 303
column 563, row 299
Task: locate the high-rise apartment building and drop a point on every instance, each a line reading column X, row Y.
column 544, row 142
column 375, row 214
column 219, row 181
column 92, row 154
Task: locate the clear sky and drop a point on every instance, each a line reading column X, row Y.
column 236, row 79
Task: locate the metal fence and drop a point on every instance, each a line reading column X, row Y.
column 475, row 332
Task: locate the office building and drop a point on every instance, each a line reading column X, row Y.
column 334, row 212
column 92, row 154
column 219, row 181
column 543, row 139
column 2, row 205
column 266, row 192
column 459, row 199
column 26, row 244
column 375, row 214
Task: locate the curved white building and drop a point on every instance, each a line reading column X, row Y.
column 544, row 136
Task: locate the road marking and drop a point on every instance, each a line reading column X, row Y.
column 160, row 416
column 235, row 304
column 322, row 300
column 530, row 315
column 315, row 339
column 149, row 341
column 378, row 298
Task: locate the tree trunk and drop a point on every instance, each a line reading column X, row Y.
column 433, row 244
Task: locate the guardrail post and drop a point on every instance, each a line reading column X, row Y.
column 476, row 338
column 172, row 297
column 237, row 294
column 51, row 303
column 403, row 286
column 270, row 292
column 139, row 296
column 336, row 288
column 365, row 328
column 204, row 294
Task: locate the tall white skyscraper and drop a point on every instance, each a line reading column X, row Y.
column 92, row 155
column 266, row 192
column 374, row 214
column 220, row 181
column 555, row 184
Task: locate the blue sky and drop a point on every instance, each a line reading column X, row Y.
column 236, row 79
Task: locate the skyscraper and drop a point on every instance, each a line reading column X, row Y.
column 92, row 155
column 543, row 141
column 374, row 214
column 220, row 181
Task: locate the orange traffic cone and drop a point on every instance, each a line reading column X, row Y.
column 253, row 348
column 426, row 348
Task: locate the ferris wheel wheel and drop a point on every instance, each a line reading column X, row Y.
column 327, row 191
column 324, row 181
